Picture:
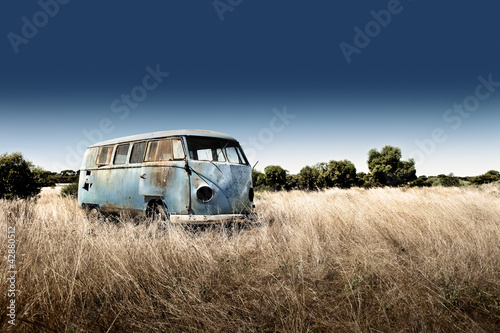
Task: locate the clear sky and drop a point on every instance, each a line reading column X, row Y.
column 295, row 82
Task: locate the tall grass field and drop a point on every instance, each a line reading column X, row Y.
column 378, row 260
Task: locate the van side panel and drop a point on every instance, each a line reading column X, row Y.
column 116, row 189
column 86, row 180
column 167, row 180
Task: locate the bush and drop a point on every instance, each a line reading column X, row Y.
column 489, row 177
column 450, row 181
column 70, row 190
column 421, row 181
column 17, row 179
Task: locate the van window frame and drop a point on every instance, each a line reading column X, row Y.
column 116, row 151
column 183, row 145
column 132, row 149
column 170, row 138
column 110, row 155
column 223, row 146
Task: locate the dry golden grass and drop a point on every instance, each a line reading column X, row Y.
column 389, row 260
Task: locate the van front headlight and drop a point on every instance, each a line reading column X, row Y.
column 204, row 194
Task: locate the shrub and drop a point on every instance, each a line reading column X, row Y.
column 70, row 190
column 17, row 179
column 421, row 181
column 489, row 177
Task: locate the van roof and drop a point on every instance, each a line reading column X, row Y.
column 162, row 134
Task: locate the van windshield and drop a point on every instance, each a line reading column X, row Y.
column 215, row 150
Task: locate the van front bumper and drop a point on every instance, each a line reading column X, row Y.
column 211, row 219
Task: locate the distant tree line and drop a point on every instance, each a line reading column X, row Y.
column 49, row 178
column 385, row 169
column 491, row 176
column 21, row 179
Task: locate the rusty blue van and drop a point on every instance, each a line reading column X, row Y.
column 187, row 176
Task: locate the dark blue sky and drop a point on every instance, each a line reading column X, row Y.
column 67, row 69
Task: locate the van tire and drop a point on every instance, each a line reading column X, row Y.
column 158, row 213
column 93, row 213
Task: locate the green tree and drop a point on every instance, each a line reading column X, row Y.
column 308, row 178
column 365, row 180
column 258, row 179
column 292, row 182
column 275, row 177
column 322, row 181
column 338, row 174
column 43, row 178
column 17, row 180
column 388, row 169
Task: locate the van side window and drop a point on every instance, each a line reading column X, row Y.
column 91, row 157
column 137, row 152
column 159, row 151
column 104, row 156
column 152, row 151
column 121, row 154
column 164, row 150
column 177, row 149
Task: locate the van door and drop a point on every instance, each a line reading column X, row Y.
column 163, row 175
column 221, row 176
column 122, row 180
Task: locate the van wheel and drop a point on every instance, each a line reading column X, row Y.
column 93, row 213
column 158, row 213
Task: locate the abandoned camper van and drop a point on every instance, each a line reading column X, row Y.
column 188, row 176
